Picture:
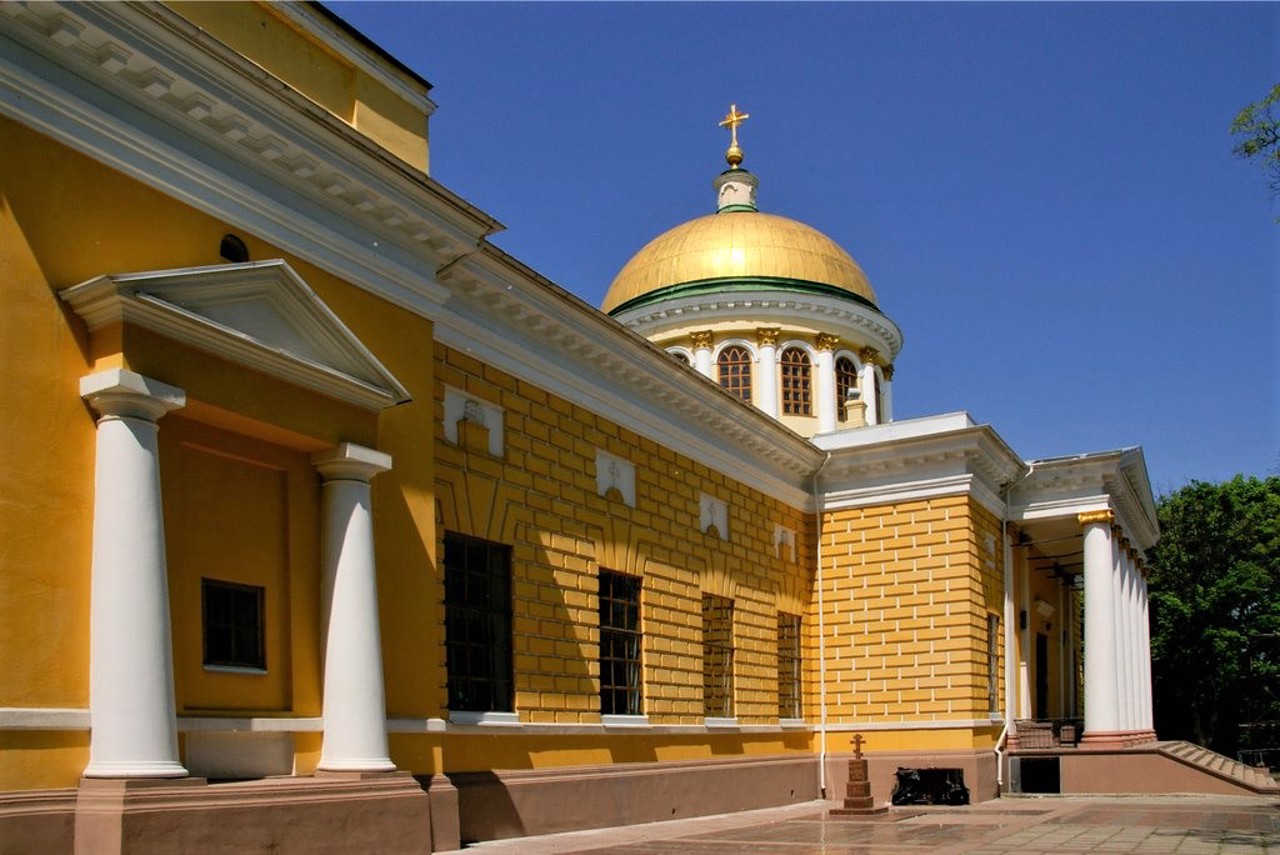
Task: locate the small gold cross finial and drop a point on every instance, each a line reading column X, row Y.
column 731, row 121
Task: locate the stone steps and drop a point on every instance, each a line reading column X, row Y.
column 1257, row 780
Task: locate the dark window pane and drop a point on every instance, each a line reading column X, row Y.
column 620, row 691
column 478, row 623
column 233, row 629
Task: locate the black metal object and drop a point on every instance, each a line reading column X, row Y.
column 930, row 787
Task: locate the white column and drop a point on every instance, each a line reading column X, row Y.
column 1133, row 690
column 355, row 718
column 767, row 375
column 1101, row 708
column 1123, row 663
column 702, row 354
column 826, row 385
column 867, row 385
column 134, row 727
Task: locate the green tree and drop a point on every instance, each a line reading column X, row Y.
column 1215, row 611
column 1258, row 135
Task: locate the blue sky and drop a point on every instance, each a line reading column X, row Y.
column 1043, row 195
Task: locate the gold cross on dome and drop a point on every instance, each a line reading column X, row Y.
column 732, row 121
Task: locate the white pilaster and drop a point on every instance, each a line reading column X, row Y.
column 1024, row 639
column 1101, row 707
column 355, row 720
column 134, row 725
column 826, row 385
column 867, row 384
column 767, row 375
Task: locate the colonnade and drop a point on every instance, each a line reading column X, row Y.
column 825, row 405
column 131, row 697
column 1117, row 641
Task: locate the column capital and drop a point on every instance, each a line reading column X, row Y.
column 827, row 341
column 1089, row 517
column 350, row 462
column 120, row 392
column 869, row 355
column 888, row 371
column 767, row 336
column 701, row 340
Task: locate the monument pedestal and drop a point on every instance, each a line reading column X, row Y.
column 858, row 800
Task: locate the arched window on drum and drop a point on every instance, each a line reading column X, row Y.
column 797, row 398
column 846, row 382
column 735, row 371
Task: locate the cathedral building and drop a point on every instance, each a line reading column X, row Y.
column 330, row 527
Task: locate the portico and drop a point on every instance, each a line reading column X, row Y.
column 1080, row 526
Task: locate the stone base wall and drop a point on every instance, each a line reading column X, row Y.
column 335, row 813
column 502, row 804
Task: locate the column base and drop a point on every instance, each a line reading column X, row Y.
column 131, row 769
column 379, row 765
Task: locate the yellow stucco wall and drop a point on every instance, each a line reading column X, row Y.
column 268, row 38
column 910, row 584
column 65, row 219
column 541, row 498
column 907, row 589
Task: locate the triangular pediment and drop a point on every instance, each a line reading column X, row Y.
column 260, row 314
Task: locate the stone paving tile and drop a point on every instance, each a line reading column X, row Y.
column 1049, row 826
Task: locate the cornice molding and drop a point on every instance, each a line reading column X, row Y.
column 933, row 457
column 568, row 348
column 139, row 88
column 134, row 87
column 1064, row 487
column 846, row 318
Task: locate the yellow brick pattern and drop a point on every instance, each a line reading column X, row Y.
column 540, row 497
column 906, row 593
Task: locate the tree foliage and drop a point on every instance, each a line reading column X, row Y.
column 1215, row 611
column 1258, row 133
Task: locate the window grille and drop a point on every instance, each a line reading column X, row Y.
column 620, row 644
column 796, row 397
column 477, row 583
column 717, row 656
column 735, row 371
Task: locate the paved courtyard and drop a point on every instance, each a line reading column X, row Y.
column 1186, row 825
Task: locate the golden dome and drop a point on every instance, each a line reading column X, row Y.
column 761, row 250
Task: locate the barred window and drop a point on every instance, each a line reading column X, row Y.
column 680, row 355
column 735, row 371
column 717, row 656
column 795, row 382
column 477, row 595
column 233, row 629
column 846, row 380
column 788, row 666
column 620, row 644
